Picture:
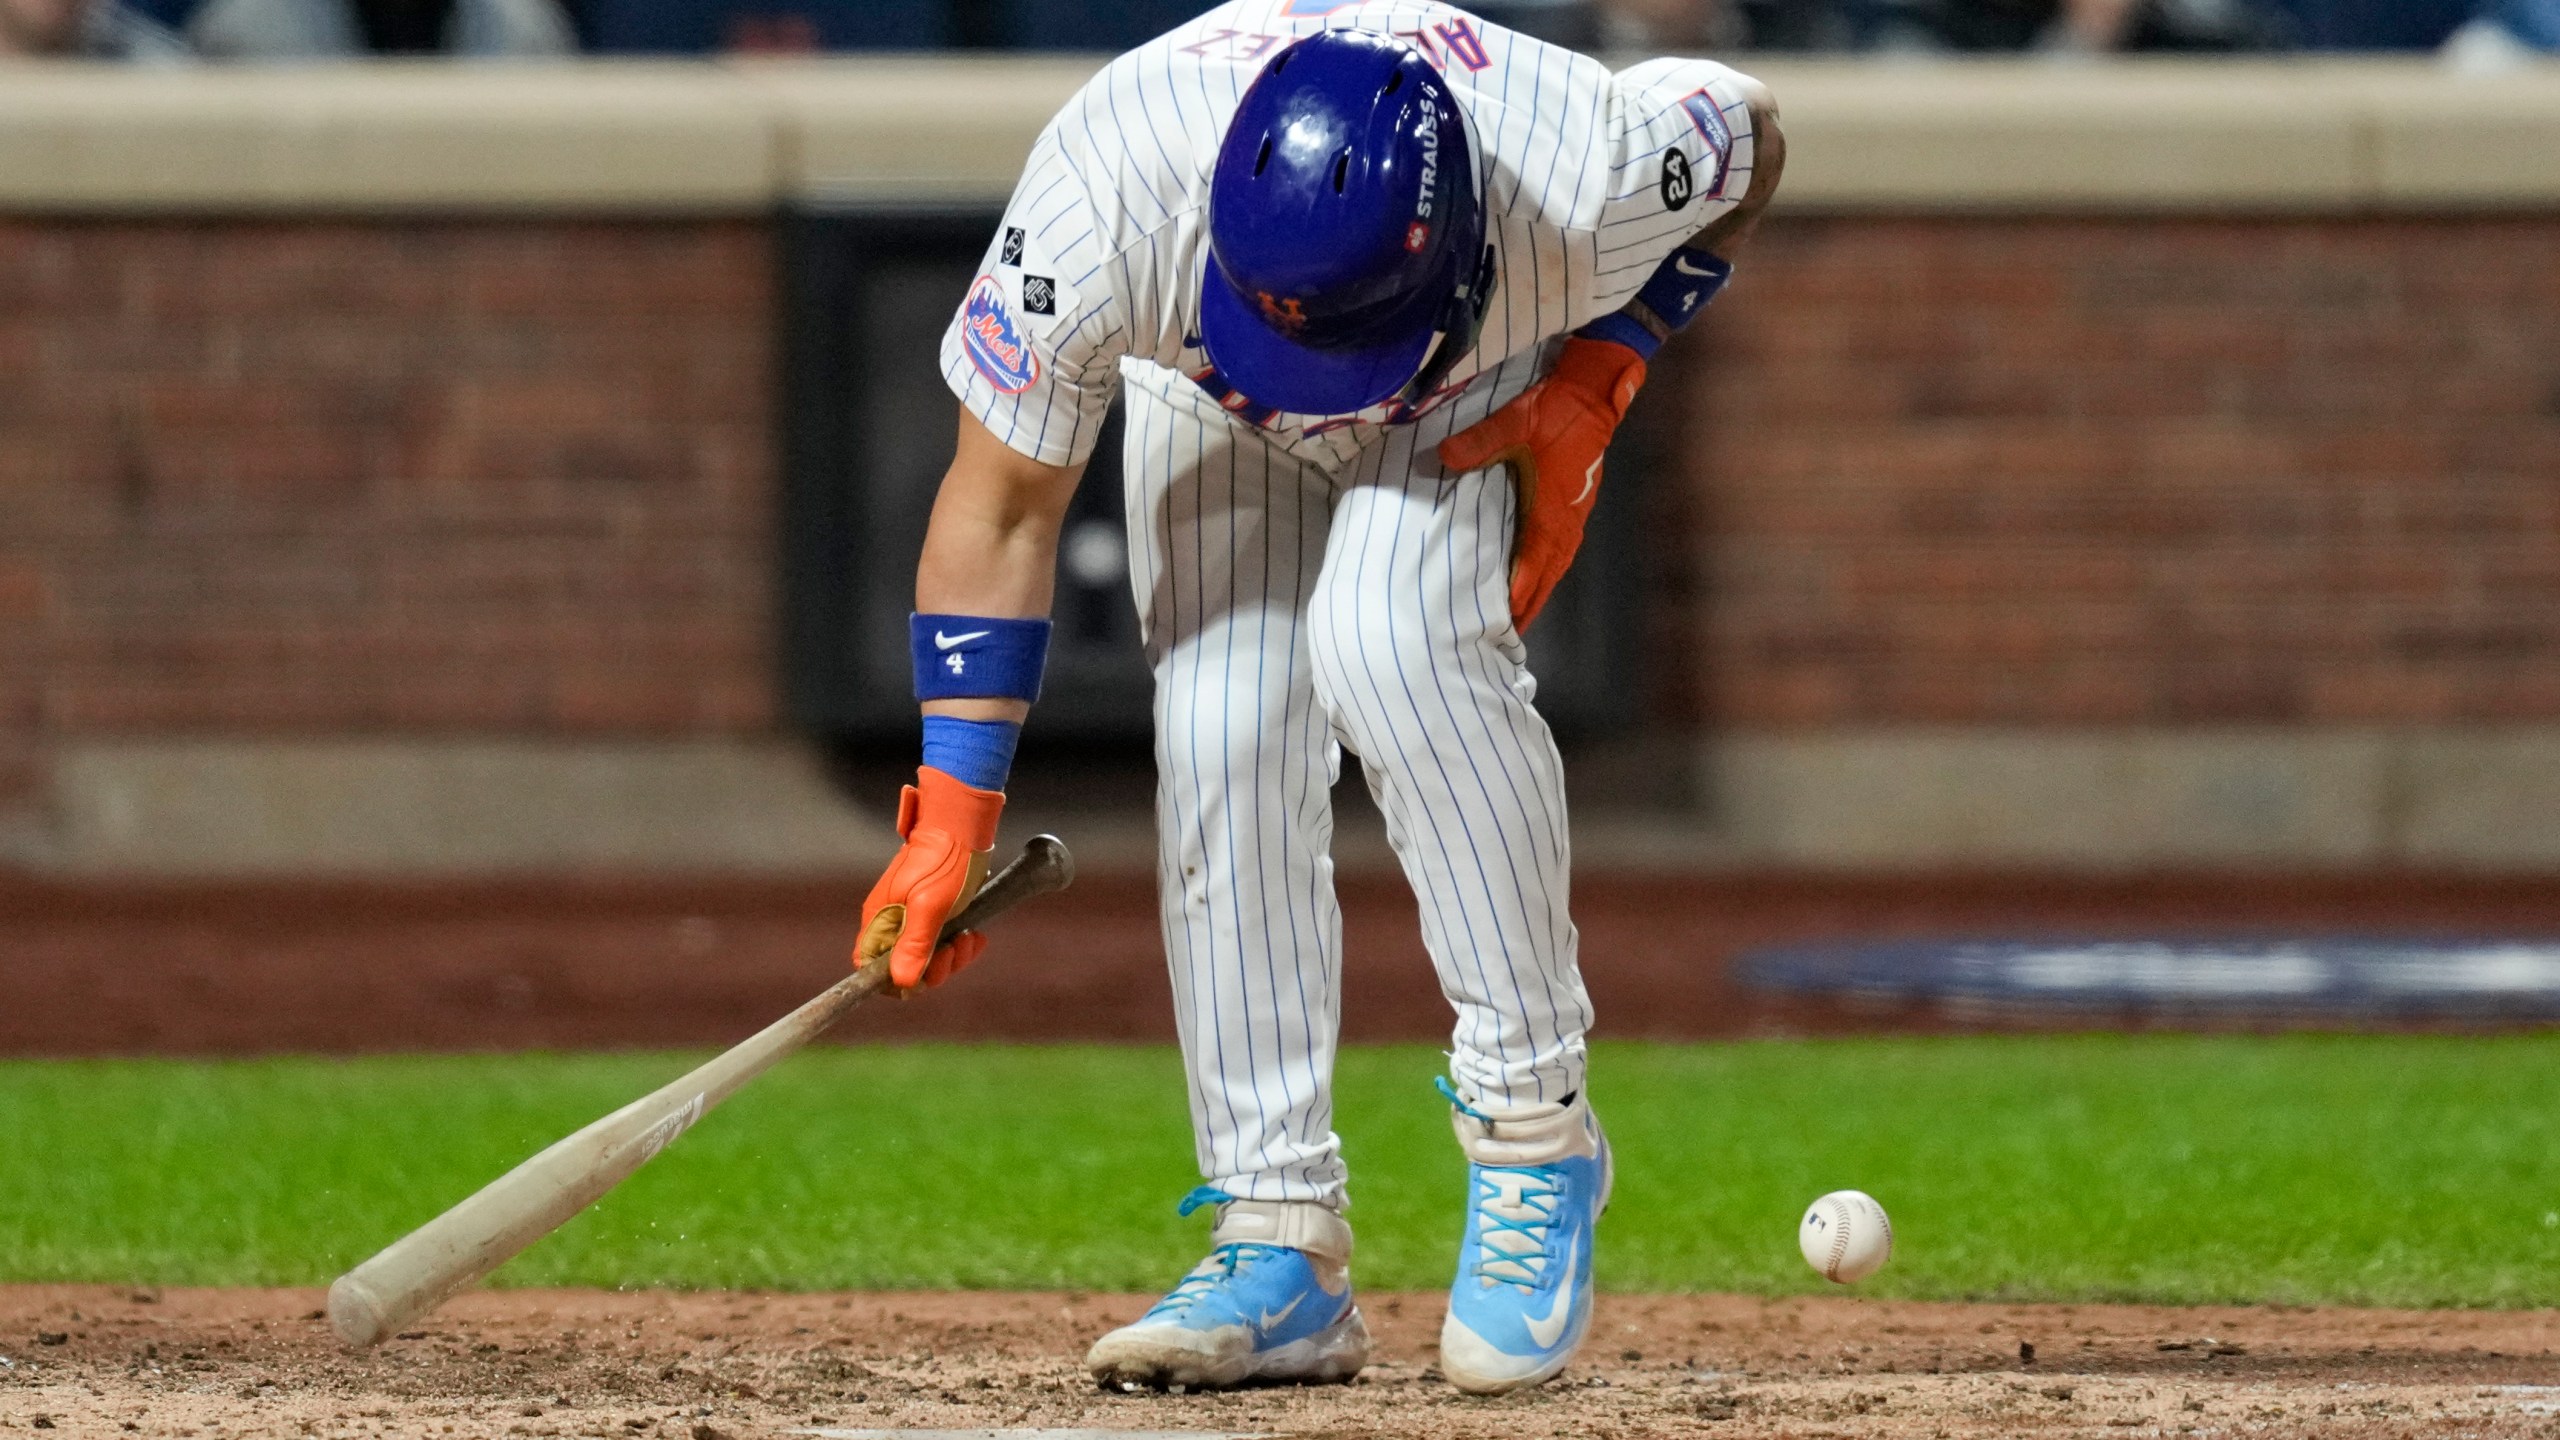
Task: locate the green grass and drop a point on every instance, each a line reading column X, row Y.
column 2389, row 1170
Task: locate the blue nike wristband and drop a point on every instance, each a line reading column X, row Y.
column 977, row 753
column 1678, row 289
column 978, row 657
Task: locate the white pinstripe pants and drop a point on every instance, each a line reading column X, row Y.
column 1293, row 606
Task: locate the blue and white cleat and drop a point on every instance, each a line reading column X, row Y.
column 1271, row 1303
column 1537, row 1179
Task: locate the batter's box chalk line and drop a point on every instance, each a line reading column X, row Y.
column 2347, row 976
column 2532, row 1399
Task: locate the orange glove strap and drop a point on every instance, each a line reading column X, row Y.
column 938, row 801
column 1607, row 371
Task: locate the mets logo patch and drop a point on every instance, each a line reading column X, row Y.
column 1709, row 118
column 994, row 342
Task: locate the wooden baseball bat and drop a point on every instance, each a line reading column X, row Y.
column 420, row 1270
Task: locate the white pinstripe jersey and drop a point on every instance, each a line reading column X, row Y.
column 1590, row 180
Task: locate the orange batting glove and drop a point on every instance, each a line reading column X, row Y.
column 950, row 830
column 1553, row 437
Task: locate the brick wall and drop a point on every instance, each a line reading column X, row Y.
column 22, row 619
column 2108, row 473
column 499, row 477
column 346, row 477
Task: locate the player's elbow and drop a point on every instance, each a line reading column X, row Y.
column 1768, row 142
column 1757, row 96
column 1002, row 487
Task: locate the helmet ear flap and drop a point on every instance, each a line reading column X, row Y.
column 1461, row 322
column 1462, row 318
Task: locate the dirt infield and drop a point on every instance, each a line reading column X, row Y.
column 92, row 1362
column 142, row 968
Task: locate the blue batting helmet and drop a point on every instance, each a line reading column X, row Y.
column 1346, row 230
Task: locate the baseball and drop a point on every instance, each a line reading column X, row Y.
column 1846, row 1236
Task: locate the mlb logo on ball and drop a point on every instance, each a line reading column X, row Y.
column 994, row 341
column 1845, row 1236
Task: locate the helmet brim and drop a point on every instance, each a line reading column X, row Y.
column 1269, row 368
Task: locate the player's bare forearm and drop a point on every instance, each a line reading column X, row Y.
column 1732, row 230
column 1729, row 234
column 991, row 547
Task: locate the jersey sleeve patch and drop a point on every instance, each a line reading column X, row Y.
column 994, row 342
column 1033, row 284
column 1709, row 118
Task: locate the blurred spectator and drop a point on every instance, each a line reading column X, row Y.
column 2378, row 24
column 1662, row 25
column 701, row 27
column 275, row 30
column 2171, row 25
column 2472, row 33
column 172, row 30
column 1788, row 24
column 1104, row 27
column 2505, row 34
column 39, row 27
column 1111, row 26
column 1101, row 26
column 2075, row 25
column 2535, row 22
column 465, row 27
column 2468, row 30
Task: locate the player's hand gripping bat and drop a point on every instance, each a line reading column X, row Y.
column 421, row 1269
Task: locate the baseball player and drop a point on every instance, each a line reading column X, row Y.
column 1377, row 281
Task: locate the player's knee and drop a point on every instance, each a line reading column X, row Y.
column 1224, row 713
column 1388, row 649
column 1354, row 647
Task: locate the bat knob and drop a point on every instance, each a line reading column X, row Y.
column 1051, row 853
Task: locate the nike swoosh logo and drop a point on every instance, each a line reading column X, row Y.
column 1545, row 1332
column 1590, row 481
column 1271, row 1321
column 1684, row 267
column 947, row 641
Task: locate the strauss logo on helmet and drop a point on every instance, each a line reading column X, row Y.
column 1428, row 132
